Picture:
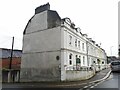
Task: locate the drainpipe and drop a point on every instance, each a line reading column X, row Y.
column 87, row 52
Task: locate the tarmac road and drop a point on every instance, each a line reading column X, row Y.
column 111, row 83
column 77, row 85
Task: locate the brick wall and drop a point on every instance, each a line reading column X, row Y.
column 16, row 61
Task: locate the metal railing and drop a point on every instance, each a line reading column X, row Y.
column 79, row 68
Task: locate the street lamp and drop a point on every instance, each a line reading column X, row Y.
column 111, row 50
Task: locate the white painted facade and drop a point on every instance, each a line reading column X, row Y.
column 74, row 45
column 78, row 45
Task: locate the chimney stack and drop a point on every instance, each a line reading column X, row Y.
column 42, row 8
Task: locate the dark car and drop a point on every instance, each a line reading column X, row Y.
column 115, row 66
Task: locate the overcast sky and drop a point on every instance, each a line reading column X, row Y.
column 97, row 18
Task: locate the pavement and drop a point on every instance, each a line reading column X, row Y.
column 99, row 76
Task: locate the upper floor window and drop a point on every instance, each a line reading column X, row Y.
column 70, row 40
column 79, row 44
column 94, row 62
column 83, row 46
column 75, row 42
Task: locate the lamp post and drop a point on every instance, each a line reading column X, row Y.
column 111, row 50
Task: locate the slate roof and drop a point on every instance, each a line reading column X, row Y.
column 6, row 53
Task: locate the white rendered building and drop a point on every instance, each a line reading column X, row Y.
column 52, row 46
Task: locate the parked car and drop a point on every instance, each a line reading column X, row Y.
column 115, row 66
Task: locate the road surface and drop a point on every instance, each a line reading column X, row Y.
column 111, row 83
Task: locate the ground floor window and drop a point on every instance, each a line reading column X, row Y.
column 70, row 59
column 70, row 62
column 83, row 60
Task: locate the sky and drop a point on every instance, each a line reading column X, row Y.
column 96, row 18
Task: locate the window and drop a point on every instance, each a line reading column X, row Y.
column 79, row 44
column 78, row 60
column 83, row 47
column 70, row 59
column 102, row 62
column 75, row 42
column 57, row 57
column 70, row 62
column 115, row 63
column 83, row 60
column 91, row 50
column 70, row 40
column 98, row 61
column 76, row 56
column 70, row 56
column 94, row 62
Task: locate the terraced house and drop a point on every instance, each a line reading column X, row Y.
column 54, row 49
